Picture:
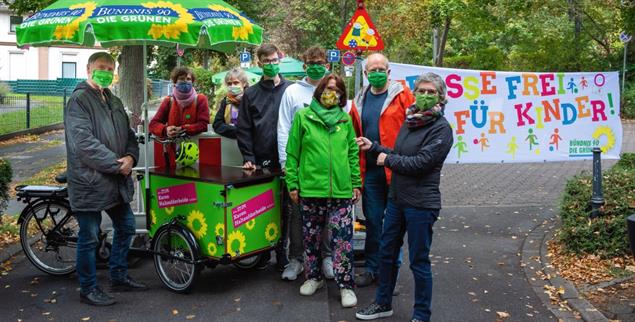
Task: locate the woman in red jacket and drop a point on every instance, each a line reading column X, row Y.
column 183, row 111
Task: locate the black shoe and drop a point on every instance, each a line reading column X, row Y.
column 374, row 311
column 97, row 297
column 281, row 260
column 364, row 279
column 128, row 285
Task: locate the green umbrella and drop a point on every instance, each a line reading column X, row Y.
column 288, row 67
column 219, row 78
column 209, row 24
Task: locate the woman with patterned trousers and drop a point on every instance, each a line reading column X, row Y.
column 322, row 174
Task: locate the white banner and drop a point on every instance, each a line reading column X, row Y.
column 526, row 116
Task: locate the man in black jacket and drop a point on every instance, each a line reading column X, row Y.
column 101, row 150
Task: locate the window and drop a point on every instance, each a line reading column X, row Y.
column 69, row 70
column 14, row 22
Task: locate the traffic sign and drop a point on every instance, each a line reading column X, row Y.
column 333, row 55
column 245, row 57
column 360, row 33
column 624, row 37
column 348, row 58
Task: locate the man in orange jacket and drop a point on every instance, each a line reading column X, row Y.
column 378, row 112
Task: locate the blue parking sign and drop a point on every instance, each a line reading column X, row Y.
column 245, row 57
column 333, row 55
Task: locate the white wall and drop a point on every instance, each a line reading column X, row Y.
column 29, row 69
column 77, row 55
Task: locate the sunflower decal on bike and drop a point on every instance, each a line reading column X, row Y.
column 172, row 30
column 68, row 31
column 196, row 223
column 153, row 218
column 169, row 210
column 251, row 224
column 271, row 232
column 219, row 230
column 211, row 249
column 236, row 236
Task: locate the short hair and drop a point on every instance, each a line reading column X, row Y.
column 100, row 55
column 339, row 83
column 180, row 71
column 237, row 73
column 266, row 50
column 314, row 53
column 437, row 81
column 377, row 54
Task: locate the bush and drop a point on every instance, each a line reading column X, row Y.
column 6, row 174
column 628, row 99
column 5, row 89
column 606, row 235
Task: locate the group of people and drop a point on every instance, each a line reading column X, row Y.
column 386, row 148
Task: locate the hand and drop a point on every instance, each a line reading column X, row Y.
column 363, row 143
column 381, row 159
column 249, row 165
column 295, row 197
column 356, row 195
column 172, row 131
column 125, row 165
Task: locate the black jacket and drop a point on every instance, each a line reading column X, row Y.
column 258, row 122
column 97, row 134
column 416, row 163
column 220, row 127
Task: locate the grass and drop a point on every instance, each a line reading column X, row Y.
column 40, row 116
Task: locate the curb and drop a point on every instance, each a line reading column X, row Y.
column 534, row 252
column 10, row 251
column 34, row 131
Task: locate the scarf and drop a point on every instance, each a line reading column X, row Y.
column 416, row 118
column 231, row 111
column 185, row 99
column 330, row 116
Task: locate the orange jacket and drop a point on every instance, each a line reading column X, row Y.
column 393, row 114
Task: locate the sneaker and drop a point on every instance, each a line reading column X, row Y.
column 364, row 279
column 311, row 286
column 348, row 297
column 97, row 297
column 327, row 268
column 292, row 270
column 374, row 311
column 127, row 285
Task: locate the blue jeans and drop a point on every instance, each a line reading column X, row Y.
column 418, row 223
column 88, row 240
column 374, row 200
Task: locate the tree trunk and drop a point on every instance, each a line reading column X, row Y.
column 131, row 80
column 442, row 42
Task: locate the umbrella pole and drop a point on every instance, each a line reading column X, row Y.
column 147, row 140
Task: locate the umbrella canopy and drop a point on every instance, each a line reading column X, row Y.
column 288, row 67
column 211, row 24
column 219, row 78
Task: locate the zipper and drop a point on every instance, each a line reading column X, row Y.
column 330, row 167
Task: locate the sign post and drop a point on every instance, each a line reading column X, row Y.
column 625, row 38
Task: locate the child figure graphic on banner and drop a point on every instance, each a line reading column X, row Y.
column 460, row 146
column 584, row 83
column 483, row 142
column 512, row 147
column 554, row 139
column 571, row 86
column 532, row 138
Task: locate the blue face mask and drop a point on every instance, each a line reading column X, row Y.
column 184, row 87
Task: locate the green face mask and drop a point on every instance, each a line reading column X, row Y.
column 425, row 102
column 377, row 79
column 315, row 71
column 271, row 70
column 103, row 78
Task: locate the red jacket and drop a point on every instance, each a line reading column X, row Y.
column 193, row 119
column 393, row 114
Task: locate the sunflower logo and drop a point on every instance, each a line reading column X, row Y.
column 173, row 30
column 271, row 232
column 610, row 137
column 153, row 218
column 169, row 210
column 241, row 32
column 220, row 229
column 68, row 31
column 196, row 223
column 240, row 238
column 251, row 224
column 211, row 248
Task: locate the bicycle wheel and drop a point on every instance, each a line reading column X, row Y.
column 48, row 235
column 173, row 260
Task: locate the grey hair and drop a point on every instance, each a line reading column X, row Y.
column 437, row 81
column 237, row 73
column 377, row 54
column 100, row 55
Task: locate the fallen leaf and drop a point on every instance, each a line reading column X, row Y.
column 189, row 317
column 86, row 318
column 472, row 293
column 237, row 299
column 502, row 315
column 175, row 311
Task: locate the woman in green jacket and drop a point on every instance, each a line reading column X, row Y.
column 322, row 174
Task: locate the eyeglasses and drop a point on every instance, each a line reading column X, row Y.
column 315, row 63
column 379, row 70
column 426, row 91
column 270, row 61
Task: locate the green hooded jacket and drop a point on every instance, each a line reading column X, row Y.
column 322, row 164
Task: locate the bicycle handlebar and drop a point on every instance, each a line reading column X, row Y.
column 169, row 140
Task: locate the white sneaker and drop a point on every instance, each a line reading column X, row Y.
column 293, row 269
column 327, row 268
column 348, row 297
column 311, row 286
